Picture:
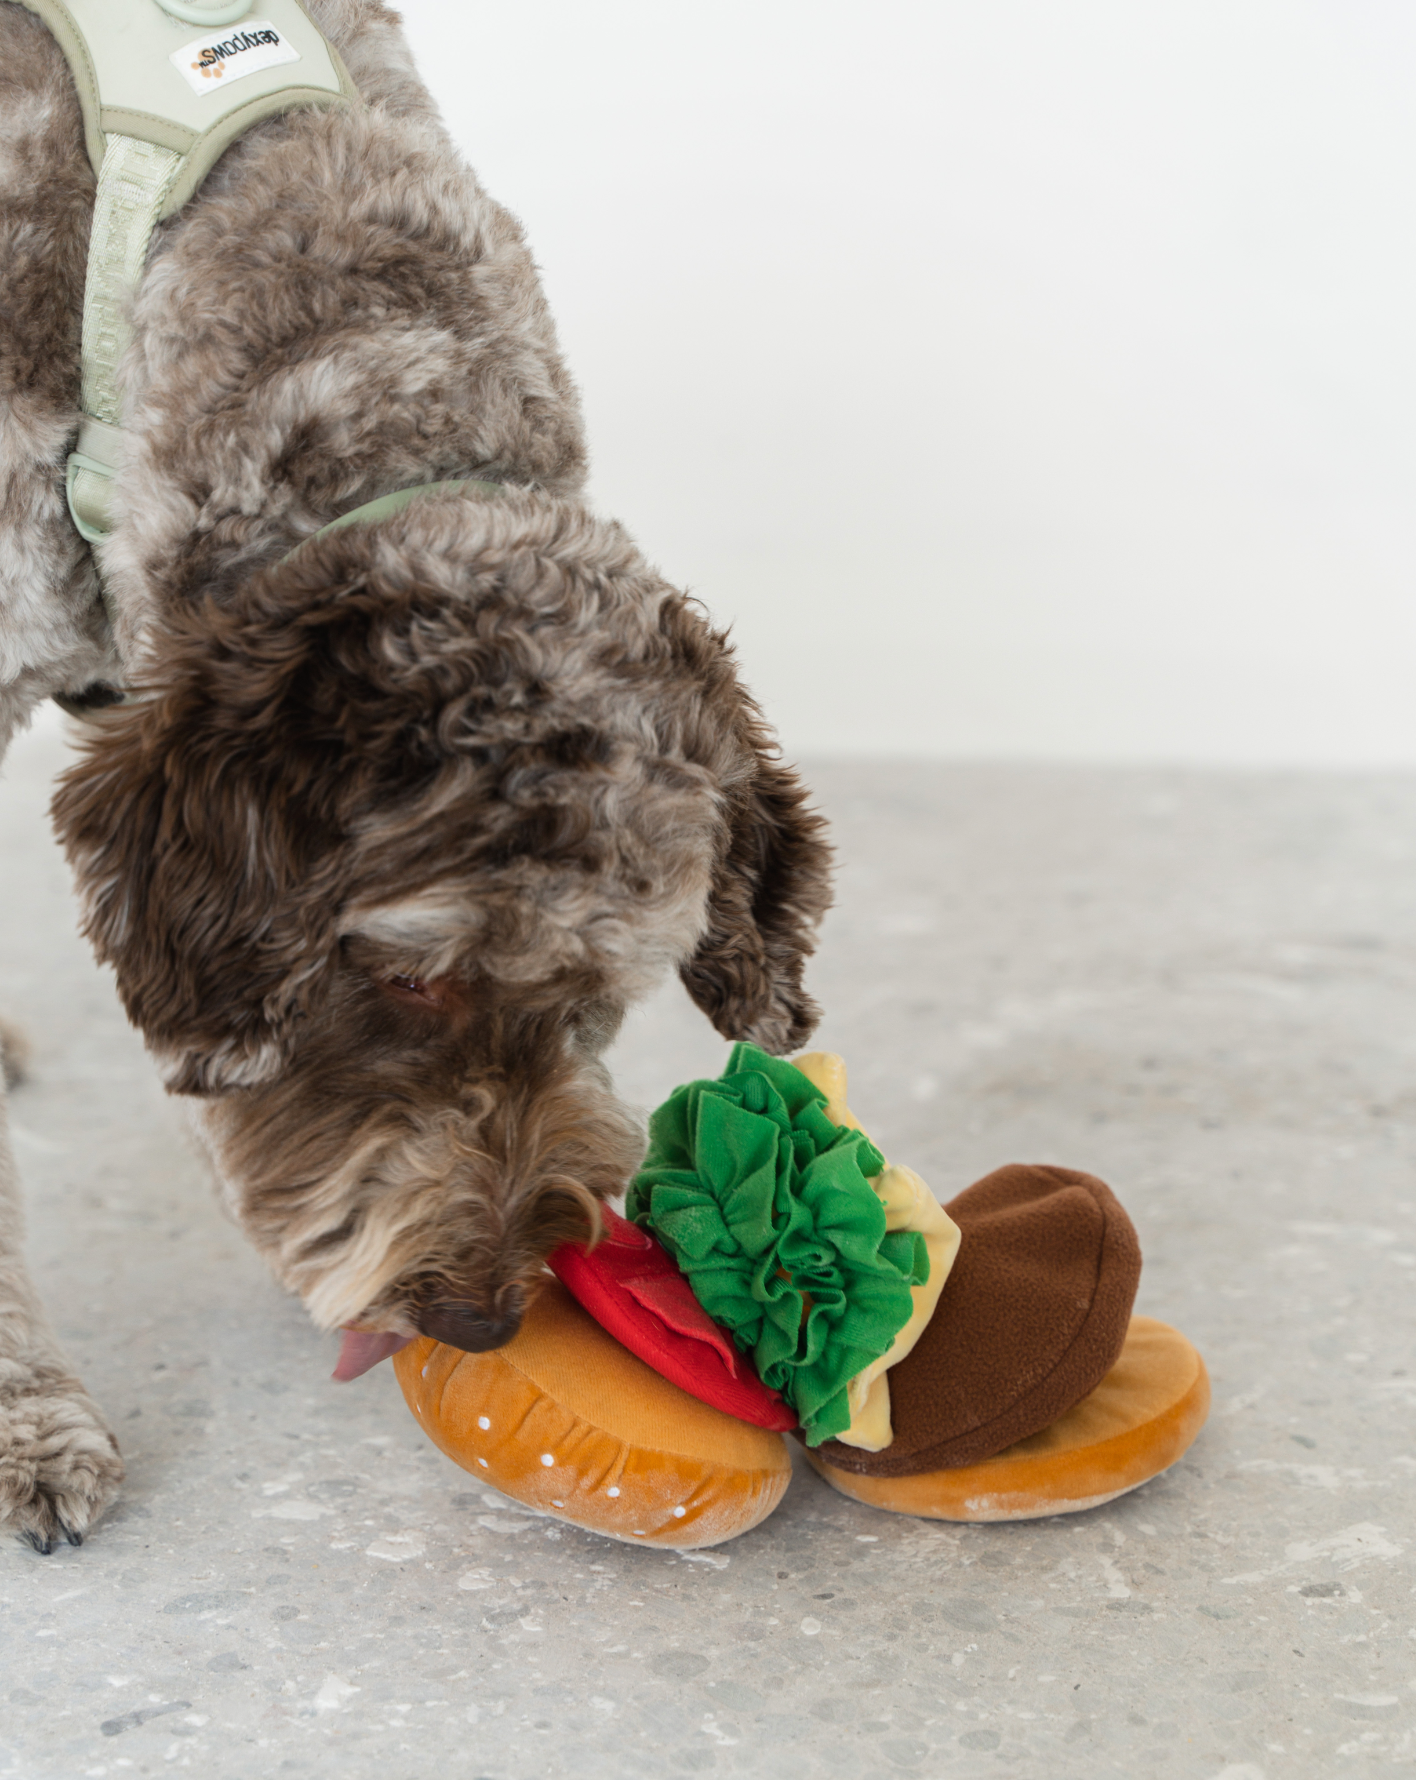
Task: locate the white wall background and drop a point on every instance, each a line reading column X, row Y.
column 1019, row 378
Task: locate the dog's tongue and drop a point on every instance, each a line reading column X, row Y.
column 358, row 1352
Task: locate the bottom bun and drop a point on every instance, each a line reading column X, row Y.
column 567, row 1421
column 1136, row 1423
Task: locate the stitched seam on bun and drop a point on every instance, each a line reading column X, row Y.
column 651, row 1443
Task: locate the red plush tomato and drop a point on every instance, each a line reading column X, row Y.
column 632, row 1286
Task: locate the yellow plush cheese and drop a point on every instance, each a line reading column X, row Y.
column 909, row 1205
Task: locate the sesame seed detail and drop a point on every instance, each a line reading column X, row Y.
column 483, row 1423
column 613, row 1490
column 679, row 1513
column 548, row 1458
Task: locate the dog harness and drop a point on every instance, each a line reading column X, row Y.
column 165, row 86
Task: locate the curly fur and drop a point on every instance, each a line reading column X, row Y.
column 393, row 829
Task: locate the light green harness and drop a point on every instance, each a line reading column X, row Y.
column 165, row 87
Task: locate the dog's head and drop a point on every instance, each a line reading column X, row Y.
column 381, row 852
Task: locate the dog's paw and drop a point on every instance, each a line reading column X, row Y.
column 14, row 1054
column 59, row 1464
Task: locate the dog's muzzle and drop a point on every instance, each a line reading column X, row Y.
column 468, row 1327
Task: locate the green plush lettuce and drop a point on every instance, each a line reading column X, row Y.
column 768, row 1209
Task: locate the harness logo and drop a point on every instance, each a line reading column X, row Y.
column 210, row 63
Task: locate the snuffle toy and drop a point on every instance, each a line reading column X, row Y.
column 774, row 1274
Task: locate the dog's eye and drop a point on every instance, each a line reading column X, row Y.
column 427, row 994
column 445, row 996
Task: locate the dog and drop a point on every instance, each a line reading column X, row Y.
column 391, row 824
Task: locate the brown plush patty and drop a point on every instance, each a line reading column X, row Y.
column 1032, row 1318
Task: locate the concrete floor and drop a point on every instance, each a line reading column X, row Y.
column 1201, row 986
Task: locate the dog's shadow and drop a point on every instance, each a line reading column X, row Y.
column 14, row 1054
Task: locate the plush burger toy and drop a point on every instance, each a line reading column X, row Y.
column 774, row 1275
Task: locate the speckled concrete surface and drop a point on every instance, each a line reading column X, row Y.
column 1202, row 987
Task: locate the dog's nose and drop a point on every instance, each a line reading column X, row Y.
column 469, row 1327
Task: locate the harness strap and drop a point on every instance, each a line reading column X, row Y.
column 133, row 184
column 160, row 107
column 386, row 504
column 101, row 695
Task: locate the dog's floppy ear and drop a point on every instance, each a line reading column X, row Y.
column 770, row 888
column 206, row 879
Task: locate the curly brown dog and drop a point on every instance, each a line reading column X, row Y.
column 387, row 833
